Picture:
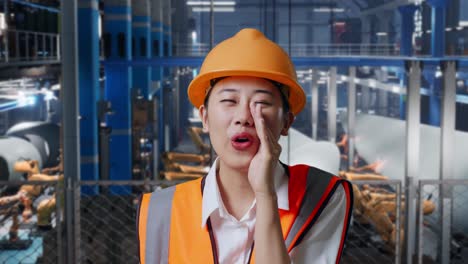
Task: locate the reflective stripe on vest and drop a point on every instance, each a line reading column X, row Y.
column 169, row 220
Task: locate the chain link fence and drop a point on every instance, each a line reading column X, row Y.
column 29, row 222
column 375, row 234
column 442, row 222
column 107, row 214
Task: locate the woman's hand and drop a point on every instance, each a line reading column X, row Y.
column 262, row 166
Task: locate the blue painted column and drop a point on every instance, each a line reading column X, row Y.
column 141, row 26
column 167, row 27
column 438, row 27
column 407, row 29
column 403, row 83
column 157, row 38
column 167, row 96
column 88, row 52
column 117, row 23
column 435, row 85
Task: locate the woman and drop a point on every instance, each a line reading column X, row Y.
column 250, row 207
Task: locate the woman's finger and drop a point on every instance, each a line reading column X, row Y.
column 259, row 121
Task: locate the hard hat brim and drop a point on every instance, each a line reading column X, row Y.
column 197, row 88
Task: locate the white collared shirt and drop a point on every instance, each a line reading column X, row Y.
column 234, row 237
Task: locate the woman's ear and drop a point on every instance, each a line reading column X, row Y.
column 289, row 119
column 203, row 112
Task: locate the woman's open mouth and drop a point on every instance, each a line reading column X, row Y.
column 242, row 141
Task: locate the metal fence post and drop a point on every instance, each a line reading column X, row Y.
column 59, row 191
column 17, row 44
column 71, row 128
column 413, row 109
column 77, row 218
column 398, row 224
column 36, row 46
column 314, row 101
column 420, row 220
column 43, row 45
column 6, row 32
column 447, row 125
column 26, row 44
column 351, row 113
column 332, row 105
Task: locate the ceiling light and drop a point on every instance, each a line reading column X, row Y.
column 215, row 9
column 328, row 9
column 208, row 3
column 463, row 23
column 3, row 24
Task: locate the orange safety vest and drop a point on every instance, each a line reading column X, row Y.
column 169, row 220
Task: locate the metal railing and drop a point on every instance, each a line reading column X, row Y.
column 442, row 224
column 24, row 46
column 374, row 234
column 306, row 50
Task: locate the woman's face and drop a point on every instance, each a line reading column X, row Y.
column 229, row 121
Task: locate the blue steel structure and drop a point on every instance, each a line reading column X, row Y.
column 167, row 141
column 157, row 37
column 141, row 26
column 438, row 8
column 407, row 29
column 406, row 44
column 438, row 13
column 117, row 25
column 36, row 6
column 165, row 118
column 435, row 85
column 159, row 58
column 88, row 52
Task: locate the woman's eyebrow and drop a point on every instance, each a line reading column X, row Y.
column 231, row 90
column 264, row 92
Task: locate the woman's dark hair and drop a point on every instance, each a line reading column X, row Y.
column 281, row 87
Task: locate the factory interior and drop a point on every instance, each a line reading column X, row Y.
column 94, row 112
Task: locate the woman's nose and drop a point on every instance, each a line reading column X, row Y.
column 244, row 116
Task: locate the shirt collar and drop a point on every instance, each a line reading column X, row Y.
column 212, row 199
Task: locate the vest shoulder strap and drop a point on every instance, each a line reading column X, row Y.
column 320, row 187
column 153, row 239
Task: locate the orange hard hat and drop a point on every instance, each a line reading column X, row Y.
column 248, row 53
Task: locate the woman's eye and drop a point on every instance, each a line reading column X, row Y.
column 263, row 102
column 228, row 101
